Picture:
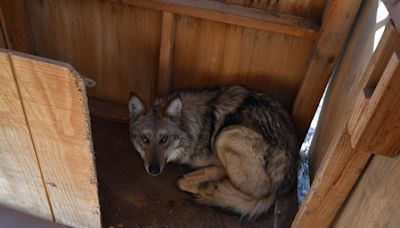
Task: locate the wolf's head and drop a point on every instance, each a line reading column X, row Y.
column 155, row 132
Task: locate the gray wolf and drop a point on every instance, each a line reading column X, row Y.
column 241, row 142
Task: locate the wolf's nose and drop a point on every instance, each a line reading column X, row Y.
column 154, row 169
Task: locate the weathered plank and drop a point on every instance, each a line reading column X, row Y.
column 208, row 54
column 235, row 14
column 166, row 54
column 336, row 25
column 375, row 200
column 21, row 184
column 55, row 104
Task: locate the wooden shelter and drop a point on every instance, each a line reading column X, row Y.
column 289, row 49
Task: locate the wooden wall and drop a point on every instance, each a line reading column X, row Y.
column 118, row 45
column 287, row 49
column 47, row 164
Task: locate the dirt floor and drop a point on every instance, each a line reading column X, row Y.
column 129, row 197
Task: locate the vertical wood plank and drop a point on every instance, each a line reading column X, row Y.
column 55, row 103
column 21, row 185
column 166, row 54
column 335, row 28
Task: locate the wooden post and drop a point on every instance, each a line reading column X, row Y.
column 166, row 54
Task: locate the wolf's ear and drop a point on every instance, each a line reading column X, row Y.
column 136, row 106
column 174, row 108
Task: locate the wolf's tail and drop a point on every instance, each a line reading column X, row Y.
column 229, row 197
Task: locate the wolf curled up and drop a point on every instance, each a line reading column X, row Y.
column 241, row 143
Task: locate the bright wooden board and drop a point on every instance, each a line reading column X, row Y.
column 21, row 185
column 55, row 103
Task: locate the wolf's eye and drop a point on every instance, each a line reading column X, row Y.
column 164, row 139
column 144, row 139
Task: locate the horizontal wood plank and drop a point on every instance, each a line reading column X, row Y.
column 235, row 14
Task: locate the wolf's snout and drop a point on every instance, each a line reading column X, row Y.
column 154, row 169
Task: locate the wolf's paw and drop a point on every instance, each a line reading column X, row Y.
column 201, row 180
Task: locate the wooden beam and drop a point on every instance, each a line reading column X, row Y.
column 55, row 103
column 335, row 178
column 235, row 14
column 21, row 184
column 335, row 29
column 166, row 54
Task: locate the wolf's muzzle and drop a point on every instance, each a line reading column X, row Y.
column 154, row 169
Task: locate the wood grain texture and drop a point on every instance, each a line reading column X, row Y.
column 375, row 199
column 377, row 128
column 55, row 104
column 235, row 14
column 114, row 44
column 21, row 184
column 304, row 8
column 346, row 83
column 210, row 54
column 336, row 25
column 166, row 54
column 16, row 25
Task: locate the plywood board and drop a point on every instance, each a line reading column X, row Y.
column 375, row 200
column 210, row 53
column 55, row 103
column 21, row 184
column 114, row 44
